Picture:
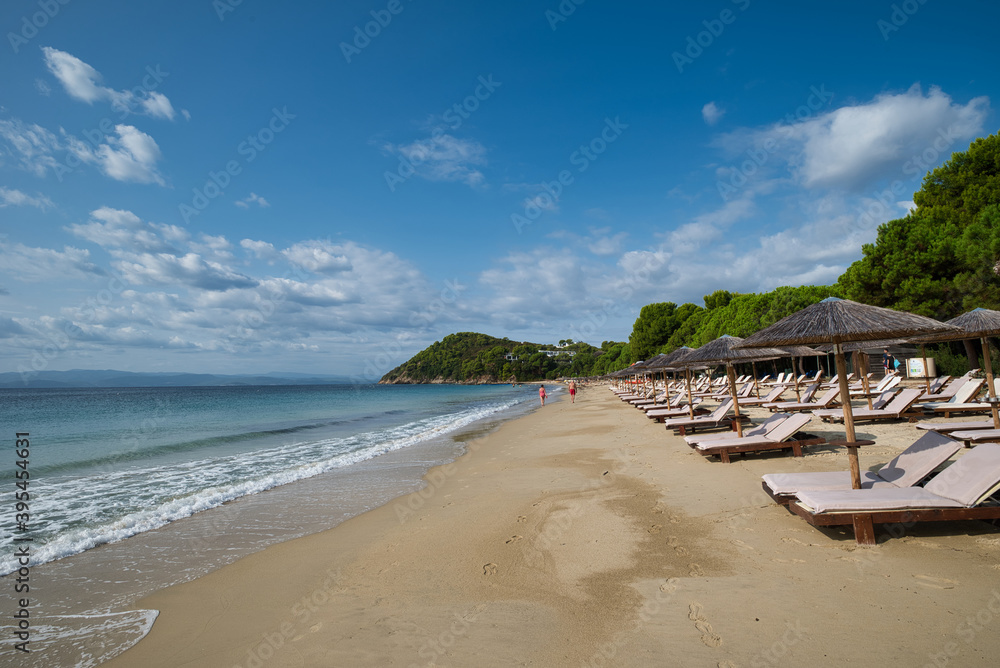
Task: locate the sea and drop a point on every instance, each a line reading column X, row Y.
column 130, row 490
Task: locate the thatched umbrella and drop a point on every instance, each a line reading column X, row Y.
column 798, row 352
column 654, row 365
column 839, row 321
column 672, row 362
column 723, row 350
column 862, row 348
column 979, row 323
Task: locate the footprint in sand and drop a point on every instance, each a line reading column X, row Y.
column 669, row 587
column 741, row 544
column 513, row 539
column 655, row 528
column 696, row 570
column 490, row 569
column 726, row 664
column 522, row 518
column 681, row 551
column 708, row 634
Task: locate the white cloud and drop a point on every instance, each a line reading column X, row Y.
column 261, row 249
column 318, row 256
column 32, row 145
column 130, row 156
column 11, row 197
column 711, row 113
column 30, row 264
column 82, row 82
column 894, row 136
column 190, row 269
column 114, row 228
column 254, row 198
column 444, row 158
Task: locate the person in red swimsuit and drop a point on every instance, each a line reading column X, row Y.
column 572, row 391
column 541, row 394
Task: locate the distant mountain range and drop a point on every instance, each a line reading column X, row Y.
column 112, row 378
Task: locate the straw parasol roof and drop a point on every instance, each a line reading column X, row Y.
column 839, row 321
column 977, row 323
column 724, row 350
column 835, row 320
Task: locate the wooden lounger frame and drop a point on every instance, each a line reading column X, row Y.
column 723, row 452
column 864, row 522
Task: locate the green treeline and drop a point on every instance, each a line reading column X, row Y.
column 940, row 260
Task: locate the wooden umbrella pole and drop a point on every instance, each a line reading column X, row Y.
column 798, row 397
column 991, row 391
column 731, row 373
column 687, row 373
column 756, row 384
column 845, row 397
column 927, row 376
column 863, row 357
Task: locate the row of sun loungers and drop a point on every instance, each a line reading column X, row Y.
column 964, row 489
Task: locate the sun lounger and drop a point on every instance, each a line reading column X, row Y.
column 764, row 427
column 961, row 402
column 900, row 407
column 907, row 469
column 886, row 383
column 781, row 436
column 960, row 492
column 828, row 398
column 947, row 427
column 976, row 436
column 878, row 403
column 718, row 418
column 946, row 393
column 661, row 414
column 771, row 397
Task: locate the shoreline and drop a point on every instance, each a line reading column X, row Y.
column 583, row 534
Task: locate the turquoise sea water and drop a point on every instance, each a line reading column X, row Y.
column 109, row 463
column 135, row 489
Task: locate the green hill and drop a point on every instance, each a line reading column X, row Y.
column 470, row 357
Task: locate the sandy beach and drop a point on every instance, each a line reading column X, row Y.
column 586, row 535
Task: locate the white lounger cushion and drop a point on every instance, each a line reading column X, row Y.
column 873, row 500
column 961, row 485
column 905, row 470
column 955, row 426
column 919, row 460
column 975, row 435
column 790, row 484
column 972, row 476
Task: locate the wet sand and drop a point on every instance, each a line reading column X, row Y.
column 586, row 535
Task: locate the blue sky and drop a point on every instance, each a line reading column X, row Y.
column 330, row 187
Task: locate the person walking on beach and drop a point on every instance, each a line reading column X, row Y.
column 572, row 391
column 888, row 363
column 541, row 394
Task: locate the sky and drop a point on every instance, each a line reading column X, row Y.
column 241, row 186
